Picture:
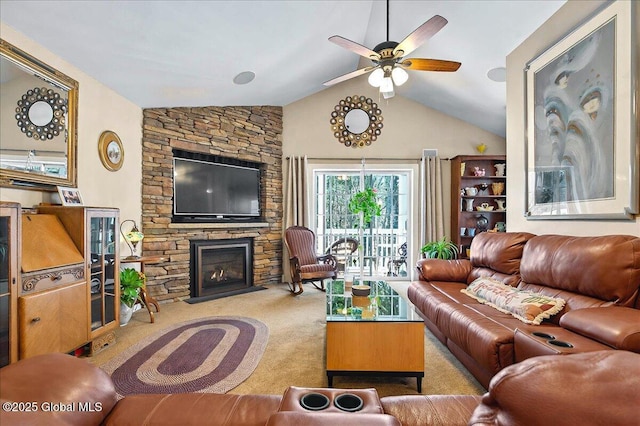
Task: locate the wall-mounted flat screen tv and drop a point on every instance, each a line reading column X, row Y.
column 209, row 189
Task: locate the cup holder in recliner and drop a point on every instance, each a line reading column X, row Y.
column 314, row 401
column 348, row 402
column 543, row 335
column 560, row 343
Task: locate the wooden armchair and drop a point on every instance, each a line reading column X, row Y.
column 306, row 265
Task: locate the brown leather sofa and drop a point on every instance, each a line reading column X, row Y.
column 58, row 389
column 598, row 277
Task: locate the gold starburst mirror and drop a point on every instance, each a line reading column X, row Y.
column 356, row 121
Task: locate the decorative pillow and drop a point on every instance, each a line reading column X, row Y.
column 530, row 308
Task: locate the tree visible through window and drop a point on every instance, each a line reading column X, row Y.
column 379, row 245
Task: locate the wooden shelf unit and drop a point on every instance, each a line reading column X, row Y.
column 94, row 230
column 464, row 178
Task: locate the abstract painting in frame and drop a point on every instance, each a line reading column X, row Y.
column 582, row 142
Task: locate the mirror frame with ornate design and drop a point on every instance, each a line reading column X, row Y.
column 345, row 133
column 24, row 179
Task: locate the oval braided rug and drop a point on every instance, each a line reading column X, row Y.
column 212, row 354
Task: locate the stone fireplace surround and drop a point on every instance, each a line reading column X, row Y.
column 246, row 133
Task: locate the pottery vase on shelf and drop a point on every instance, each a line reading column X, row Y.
column 497, row 188
column 481, row 223
column 500, row 204
column 499, row 169
column 469, row 202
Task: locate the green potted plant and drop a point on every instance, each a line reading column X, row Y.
column 440, row 249
column 131, row 281
column 365, row 202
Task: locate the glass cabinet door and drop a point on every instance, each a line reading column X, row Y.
column 8, row 283
column 102, row 242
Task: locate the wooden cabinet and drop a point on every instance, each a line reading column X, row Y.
column 95, row 231
column 53, row 320
column 478, row 197
column 9, row 281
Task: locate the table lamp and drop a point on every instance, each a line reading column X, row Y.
column 132, row 238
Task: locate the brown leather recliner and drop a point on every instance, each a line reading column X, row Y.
column 588, row 388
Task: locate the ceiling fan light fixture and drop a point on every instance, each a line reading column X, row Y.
column 375, row 78
column 388, row 95
column 399, row 76
column 387, row 85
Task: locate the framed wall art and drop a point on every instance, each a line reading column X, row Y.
column 582, row 147
column 110, row 150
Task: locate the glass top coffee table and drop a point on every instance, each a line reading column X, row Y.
column 380, row 334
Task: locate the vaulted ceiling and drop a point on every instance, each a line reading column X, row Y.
column 187, row 53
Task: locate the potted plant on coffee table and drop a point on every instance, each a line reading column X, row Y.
column 131, row 281
column 440, row 249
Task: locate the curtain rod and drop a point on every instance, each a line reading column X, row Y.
column 360, row 159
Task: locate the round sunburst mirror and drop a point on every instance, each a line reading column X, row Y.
column 40, row 113
column 356, row 121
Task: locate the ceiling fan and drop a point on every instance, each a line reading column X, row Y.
column 388, row 57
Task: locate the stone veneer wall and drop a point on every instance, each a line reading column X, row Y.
column 245, row 133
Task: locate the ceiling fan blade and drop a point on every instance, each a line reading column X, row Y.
column 354, row 47
column 421, row 34
column 420, row 64
column 347, row 76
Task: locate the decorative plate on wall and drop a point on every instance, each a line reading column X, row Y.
column 110, row 150
column 356, row 121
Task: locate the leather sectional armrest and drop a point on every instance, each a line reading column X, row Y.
column 55, row 389
column 615, row 326
column 434, row 410
column 444, row 270
column 295, row 418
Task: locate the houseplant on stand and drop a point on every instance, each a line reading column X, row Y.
column 365, row 203
column 440, row 249
column 131, row 281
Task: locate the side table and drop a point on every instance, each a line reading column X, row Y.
column 145, row 298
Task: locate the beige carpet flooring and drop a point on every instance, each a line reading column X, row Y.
column 295, row 354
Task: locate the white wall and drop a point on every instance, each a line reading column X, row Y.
column 409, row 127
column 99, row 109
column 560, row 24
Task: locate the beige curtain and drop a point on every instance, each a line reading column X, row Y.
column 295, row 202
column 433, row 217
